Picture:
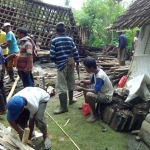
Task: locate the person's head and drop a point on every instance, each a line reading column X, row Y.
column 119, row 32
column 60, row 27
column 137, row 33
column 22, row 32
column 7, row 27
column 15, row 106
column 90, row 64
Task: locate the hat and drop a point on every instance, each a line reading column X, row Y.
column 119, row 31
column 6, row 24
column 14, row 106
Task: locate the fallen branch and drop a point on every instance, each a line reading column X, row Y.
column 63, row 130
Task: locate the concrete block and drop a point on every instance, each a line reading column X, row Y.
column 145, row 132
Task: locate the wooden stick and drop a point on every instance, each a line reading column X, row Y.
column 26, row 136
column 13, row 88
column 66, row 122
column 63, row 130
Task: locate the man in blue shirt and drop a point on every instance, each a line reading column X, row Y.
column 122, row 48
column 64, row 52
column 11, row 43
column 103, row 89
column 2, row 90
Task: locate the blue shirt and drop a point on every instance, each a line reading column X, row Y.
column 13, row 48
column 60, row 50
column 122, row 42
column 2, row 59
column 99, row 83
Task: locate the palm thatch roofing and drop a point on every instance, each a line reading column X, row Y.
column 137, row 15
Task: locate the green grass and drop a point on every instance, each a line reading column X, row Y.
column 88, row 136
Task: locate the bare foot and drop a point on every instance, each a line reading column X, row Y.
column 92, row 118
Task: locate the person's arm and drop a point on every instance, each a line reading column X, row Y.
column 87, row 82
column 8, row 40
column 5, row 45
column 52, row 51
column 31, row 127
column 16, row 128
column 97, row 87
column 3, row 63
column 75, row 54
column 29, row 51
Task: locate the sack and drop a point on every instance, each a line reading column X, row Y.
column 86, row 109
column 70, row 61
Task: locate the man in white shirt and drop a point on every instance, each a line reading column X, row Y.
column 35, row 100
column 103, row 89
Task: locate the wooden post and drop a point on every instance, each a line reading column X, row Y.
column 13, row 88
column 26, row 136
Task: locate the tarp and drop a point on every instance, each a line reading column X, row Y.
column 139, row 86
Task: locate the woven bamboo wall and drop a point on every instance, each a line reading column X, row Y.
column 40, row 20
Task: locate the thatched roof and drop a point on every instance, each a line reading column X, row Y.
column 136, row 16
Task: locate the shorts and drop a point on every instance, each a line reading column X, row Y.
column 12, row 62
column 65, row 79
column 40, row 120
column 99, row 97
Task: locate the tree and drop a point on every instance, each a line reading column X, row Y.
column 67, row 3
column 96, row 16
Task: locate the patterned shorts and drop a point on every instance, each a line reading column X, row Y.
column 100, row 97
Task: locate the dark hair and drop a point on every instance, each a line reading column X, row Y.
column 138, row 31
column 60, row 27
column 22, row 31
column 90, row 62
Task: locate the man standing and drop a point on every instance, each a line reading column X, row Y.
column 11, row 43
column 2, row 90
column 35, row 100
column 122, row 48
column 63, row 51
column 3, row 40
column 136, row 39
column 25, row 59
column 103, row 89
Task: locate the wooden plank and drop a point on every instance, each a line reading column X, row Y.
column 6, row 139
column 20, row 144
column 26, row 136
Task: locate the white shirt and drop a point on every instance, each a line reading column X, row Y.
column 33, row 96
column 107, row 88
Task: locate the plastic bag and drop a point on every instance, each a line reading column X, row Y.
column 86, row 109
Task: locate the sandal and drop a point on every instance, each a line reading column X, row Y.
column 47, row 144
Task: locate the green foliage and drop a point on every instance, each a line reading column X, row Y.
column 96, row 16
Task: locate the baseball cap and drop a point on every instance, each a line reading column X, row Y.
column 6, row 24
column 14, row 106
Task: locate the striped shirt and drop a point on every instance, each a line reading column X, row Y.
column 60, row 50
column 25, row 47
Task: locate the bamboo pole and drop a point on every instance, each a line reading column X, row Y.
column 63, row 131
column 13, row 88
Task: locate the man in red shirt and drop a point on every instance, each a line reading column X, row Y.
column 25, row 59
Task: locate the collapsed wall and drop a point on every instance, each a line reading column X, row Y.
column 40, row 20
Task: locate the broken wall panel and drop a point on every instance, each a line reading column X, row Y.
column 40, row 20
